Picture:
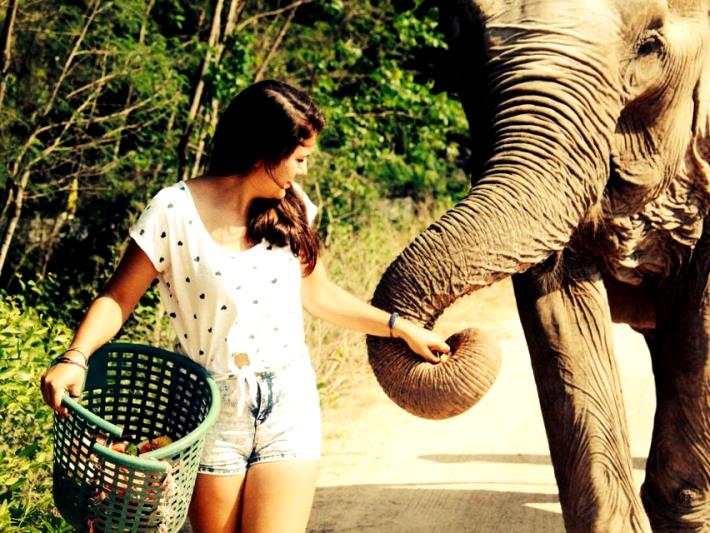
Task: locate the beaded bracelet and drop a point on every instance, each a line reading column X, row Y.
column 393, row 317
column 64, row 359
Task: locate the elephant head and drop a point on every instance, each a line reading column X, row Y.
column 588, row 118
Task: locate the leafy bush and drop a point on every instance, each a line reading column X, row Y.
column 28, row 340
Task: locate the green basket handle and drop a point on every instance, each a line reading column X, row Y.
column 146, row 464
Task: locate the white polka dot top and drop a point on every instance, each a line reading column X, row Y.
column 223, row 303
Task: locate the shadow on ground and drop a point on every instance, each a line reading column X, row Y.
column 416, row 508
column 639, row 463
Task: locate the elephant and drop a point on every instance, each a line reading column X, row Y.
column 589, row 124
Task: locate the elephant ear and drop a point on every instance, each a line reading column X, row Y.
column 701, row 114
column 698, row 156
column 690, row 196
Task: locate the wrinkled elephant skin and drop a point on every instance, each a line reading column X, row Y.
column 591, row 187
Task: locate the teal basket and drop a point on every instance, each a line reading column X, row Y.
column 132, row 392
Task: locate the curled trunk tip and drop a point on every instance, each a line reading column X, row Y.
column 436, row 391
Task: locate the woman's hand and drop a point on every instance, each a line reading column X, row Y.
column 422, row 341
column 59, row 378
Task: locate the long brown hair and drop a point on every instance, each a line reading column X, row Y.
column 265, row 123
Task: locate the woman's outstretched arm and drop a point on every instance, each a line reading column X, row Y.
column 325, row 300
column 104, row 318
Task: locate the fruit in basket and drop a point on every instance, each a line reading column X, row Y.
column 123, row 446
column 150, row 445
column 161, row 442
column 130, row 448
column 119, row 446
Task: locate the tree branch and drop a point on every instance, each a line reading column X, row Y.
column 196, row 101
column 255, row 18
column 99, row 81
column 259, row 74
column 209, row 124
column 70, row 58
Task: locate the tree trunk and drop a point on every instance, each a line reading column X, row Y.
column 196, row 101
column 66, row 214
column 199, row 164
column 171, row 123
column 6, row 39
column 8, row 199
column 6, row 46
column 12, row 224
column 129, row 97
column 214, row 54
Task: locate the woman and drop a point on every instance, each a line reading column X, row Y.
column 237, row 261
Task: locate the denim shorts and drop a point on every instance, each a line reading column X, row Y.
column 279, row 421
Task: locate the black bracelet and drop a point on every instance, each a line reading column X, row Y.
column 393, row 317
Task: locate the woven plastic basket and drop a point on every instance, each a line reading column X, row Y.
column 136, row 392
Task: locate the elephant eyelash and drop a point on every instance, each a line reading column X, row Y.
column 650, row 44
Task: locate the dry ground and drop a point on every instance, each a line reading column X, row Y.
column 487, row 470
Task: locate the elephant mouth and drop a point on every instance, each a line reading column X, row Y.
column 631, row 184
column 614, row 170
column 610, row 201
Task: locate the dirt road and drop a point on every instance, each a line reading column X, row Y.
column 487, row 470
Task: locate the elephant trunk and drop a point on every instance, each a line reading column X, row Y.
column 543, row 178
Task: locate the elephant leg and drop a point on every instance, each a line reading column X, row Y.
column 568, row 331
column 676, row 492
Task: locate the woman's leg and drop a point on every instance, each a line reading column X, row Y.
column 216, row 503
column 278, row 496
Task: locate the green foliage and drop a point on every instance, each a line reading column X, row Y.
column 28, row 340
column 101, row 122
column 86, row 118
column 388, row 135
column 235, row 72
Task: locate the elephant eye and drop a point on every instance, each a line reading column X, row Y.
column 650, row 44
